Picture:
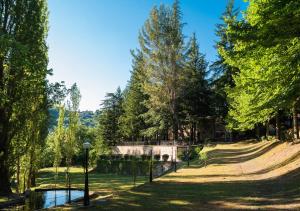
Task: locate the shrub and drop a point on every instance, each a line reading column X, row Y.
column 103, row 157
column 181, row 155
column 126, row 156
column 157, row 157
column 145, row 157
column 203, row 157
column 165, row 157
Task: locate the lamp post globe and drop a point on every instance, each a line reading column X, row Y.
column 86, row 147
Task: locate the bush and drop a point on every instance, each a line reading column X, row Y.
column 191, row 154
column 145, row 157
column 203, row 157
column 165, row 157
column 181, row 155
column 103, row 157
column 126, row 156
column 157, row 157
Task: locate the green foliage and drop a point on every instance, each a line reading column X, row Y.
column 268, row 60
column 162, row 45
column 203, row 157
column 23, row 89
column 165, row 157
column 156, row 157
column 190, row 153
column 131, row 121
column 222, row 71
column 131, row 167
column 108, row 129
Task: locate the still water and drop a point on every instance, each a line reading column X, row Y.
column 50, row 198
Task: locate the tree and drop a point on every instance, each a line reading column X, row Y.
column 108, row 129
column 132, row 123
column 71, row 132
column 195, row 94
column 222, row 71
column 23, row 70
column 267, row 55
column 162, row 45
column 59, row 138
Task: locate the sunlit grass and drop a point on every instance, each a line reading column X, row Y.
column 97, row 182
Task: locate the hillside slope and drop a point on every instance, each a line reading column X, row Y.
column 245, row 175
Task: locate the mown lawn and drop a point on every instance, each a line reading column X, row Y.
column 104, row 183
column 262, row 176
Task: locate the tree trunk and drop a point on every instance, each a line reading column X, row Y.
column 257, row 132
column 267, row 129
column 4, row 165
column 278, row 127
column 214, row 128
column 295, row 123
column 18, row 175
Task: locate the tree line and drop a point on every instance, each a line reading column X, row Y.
column 173, row 93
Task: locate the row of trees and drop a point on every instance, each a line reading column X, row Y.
column 23, row 87
column 253, row 82
column 265, row 51
column 169, row 89
column 26, row 97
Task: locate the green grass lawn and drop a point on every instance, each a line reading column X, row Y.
column 104, row 183
column 206, row 188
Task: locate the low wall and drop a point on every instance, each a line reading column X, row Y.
column 146, row 149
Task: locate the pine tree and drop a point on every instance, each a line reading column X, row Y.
column 109, row 129
column 132, row 123
column 162, row 45
column 222, row 72
column 195, row 95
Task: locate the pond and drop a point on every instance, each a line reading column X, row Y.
column 40, row 199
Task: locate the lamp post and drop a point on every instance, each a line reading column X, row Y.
column 86, row 147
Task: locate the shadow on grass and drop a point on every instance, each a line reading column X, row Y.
column 97, row 182
column 227, row 156
column 283, row 190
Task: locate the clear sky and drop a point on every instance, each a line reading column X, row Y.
column 90, row 40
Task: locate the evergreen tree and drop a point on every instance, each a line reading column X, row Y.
column 222, row 72
column 195, row 95
column 109, row 129
column 162, row 45
column 132, row 123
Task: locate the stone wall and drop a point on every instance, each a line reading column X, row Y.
column 146, row 149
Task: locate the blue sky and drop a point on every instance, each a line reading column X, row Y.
column 90, row 40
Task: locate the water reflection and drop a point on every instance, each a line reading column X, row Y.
column 50, row 198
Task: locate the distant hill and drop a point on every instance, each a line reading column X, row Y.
column 87, row 118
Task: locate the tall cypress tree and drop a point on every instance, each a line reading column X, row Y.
column 23, row 70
